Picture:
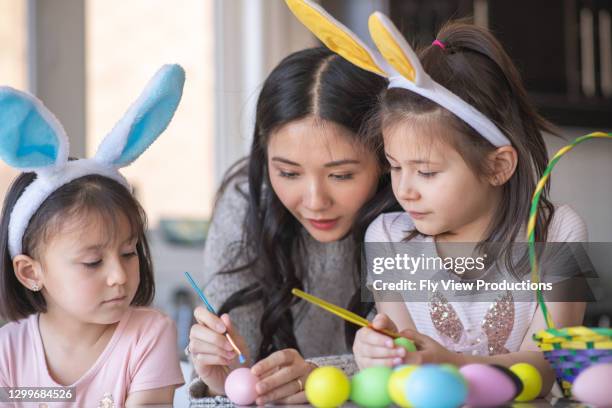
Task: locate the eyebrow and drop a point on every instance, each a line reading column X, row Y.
column 101, row 246
column 416, row 161
column 330, row 164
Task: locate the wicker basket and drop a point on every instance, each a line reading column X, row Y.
column 572, row 349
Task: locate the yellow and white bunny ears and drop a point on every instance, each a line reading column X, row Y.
column 32, row 139
column 396, row 61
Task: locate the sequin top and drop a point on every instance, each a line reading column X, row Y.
column 474, row 327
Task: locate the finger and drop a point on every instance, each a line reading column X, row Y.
column 264, row 367
column 376, row 362
column 203, row 316
column 416, row 357
column 205, row 334
column 199, row 347
column 278, row 379
column 205, row 359
column 382, row 321
column 374, row 338
column 379, row 352
column 299, row 398
column 418, row 338
column 283, row 390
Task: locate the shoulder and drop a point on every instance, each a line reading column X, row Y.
column 149, row 320
column 389, row 227
column 567, row 226
column 15, row 342
column 233, row 193
column 15, row 333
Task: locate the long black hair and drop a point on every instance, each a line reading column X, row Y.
column 313, row 82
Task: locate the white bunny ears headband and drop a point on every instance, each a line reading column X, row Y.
column 396, row 61
column 32, row 139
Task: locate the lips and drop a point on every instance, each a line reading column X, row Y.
column 324, row 224
column 416, row 215
column 117, row 299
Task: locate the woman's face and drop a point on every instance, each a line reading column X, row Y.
column 321, row 175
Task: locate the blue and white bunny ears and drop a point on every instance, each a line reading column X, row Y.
column 396, row 61
column 32, row 139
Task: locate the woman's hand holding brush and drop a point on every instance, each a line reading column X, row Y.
column 212, row 353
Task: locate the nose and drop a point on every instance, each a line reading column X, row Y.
column 117, row 275
column 406, row 190
column 316, row 197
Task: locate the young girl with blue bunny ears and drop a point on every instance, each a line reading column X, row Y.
column 75, row 263
column 465, row 151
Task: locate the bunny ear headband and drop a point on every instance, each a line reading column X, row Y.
column 32, row 139
column 396, row 61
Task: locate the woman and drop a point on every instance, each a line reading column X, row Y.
column 293, row 215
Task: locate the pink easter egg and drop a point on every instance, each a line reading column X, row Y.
column 240, row 386
column 487, row 386
column 592, row 385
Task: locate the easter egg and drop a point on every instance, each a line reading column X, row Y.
column 488, row 385
column 405, row 343
column 369, row 387
column 240, row 386
column 531, row 379
column 397, row 384
column 592, row 385
column 434, row 386
column 327, row 387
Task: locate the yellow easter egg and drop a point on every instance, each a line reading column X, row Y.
column 327, row 387
column 397, row 384
column 531, row 379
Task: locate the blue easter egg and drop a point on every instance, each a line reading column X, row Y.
column 434, row 386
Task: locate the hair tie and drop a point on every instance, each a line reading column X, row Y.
column 439, row 44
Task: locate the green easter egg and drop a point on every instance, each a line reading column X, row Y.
column 369, row 387
column 405, row 343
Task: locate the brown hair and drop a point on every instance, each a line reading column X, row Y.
column 475, row 67
column 81, row 197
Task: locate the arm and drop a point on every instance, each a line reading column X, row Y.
column 221, row 253
column 164, row 395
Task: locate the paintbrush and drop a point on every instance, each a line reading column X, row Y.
column 212, row 310
column 343, row 313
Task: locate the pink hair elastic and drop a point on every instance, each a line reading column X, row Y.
column 439, row 44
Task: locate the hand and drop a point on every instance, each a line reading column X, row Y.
column 278, row 378
column 372, row 348
column 211, row 352
column 429, row 351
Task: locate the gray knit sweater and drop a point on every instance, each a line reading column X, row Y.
column 320, row 335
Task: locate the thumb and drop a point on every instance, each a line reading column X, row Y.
column 382, row 321
column 225, row 318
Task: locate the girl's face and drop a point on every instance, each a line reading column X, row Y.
column 321, row 175
column 435, row 186
column 88, row 273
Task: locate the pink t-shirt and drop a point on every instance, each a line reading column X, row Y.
column 141, row 355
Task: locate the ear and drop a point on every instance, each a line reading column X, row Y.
column 146, row 119
column 31, row 137
column 28, row 271
column 336, row 36
column 503, row 162
column 395, row 49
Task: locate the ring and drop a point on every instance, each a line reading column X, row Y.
column 187, row 351
column 300, row 384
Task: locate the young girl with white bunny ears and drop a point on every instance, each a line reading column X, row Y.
column 75, row 263
column 465, row 151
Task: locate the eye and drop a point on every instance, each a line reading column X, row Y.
column 287, row 174
column 346, row 176
column 427, row 174
column 394, row 168
column 129, row 254
column 93, row 265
